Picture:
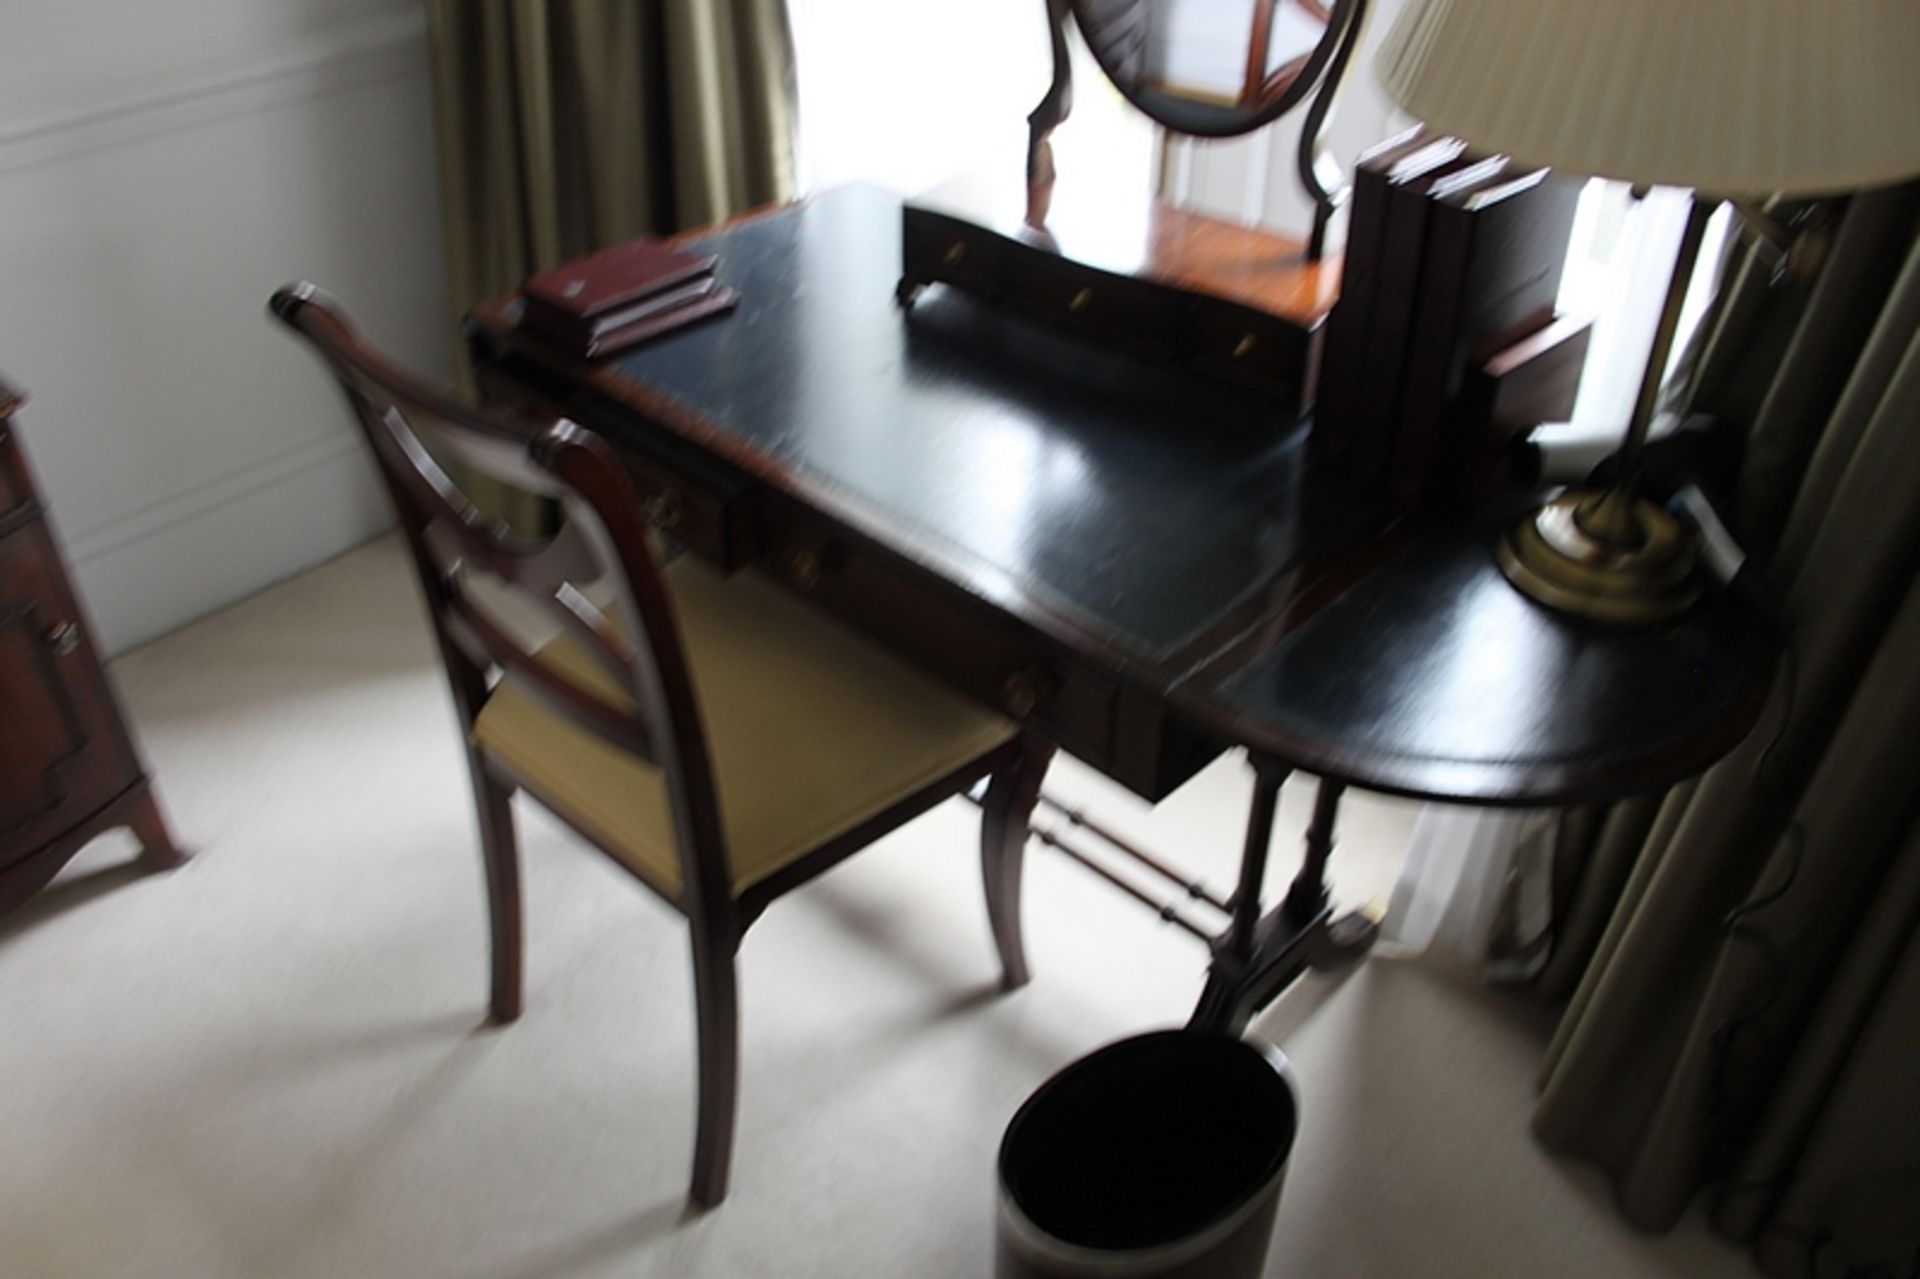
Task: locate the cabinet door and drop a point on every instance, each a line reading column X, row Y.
column 63, row 752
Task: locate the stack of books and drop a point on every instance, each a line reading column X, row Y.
column 1453, row 261
column 613, row 299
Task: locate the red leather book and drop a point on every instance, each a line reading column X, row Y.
column 677, row 310
column 621, row 295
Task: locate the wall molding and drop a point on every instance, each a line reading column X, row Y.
column 134, row 585
column 367, row 52
column 207, row 497
column 265, row 492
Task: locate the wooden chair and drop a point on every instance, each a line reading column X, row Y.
column 713, row 735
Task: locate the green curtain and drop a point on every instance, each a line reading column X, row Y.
column 1743, row 954
column 568, row 125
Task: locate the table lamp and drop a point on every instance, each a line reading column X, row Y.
column 1732, row 98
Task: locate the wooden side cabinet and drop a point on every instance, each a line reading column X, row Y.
column 68, row 767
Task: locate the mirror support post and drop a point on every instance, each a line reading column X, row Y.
column 1047, row 116
column 1319, row 173
column 1317, row 75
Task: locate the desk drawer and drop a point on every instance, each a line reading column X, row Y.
column 16, row 493
column 63, row 754
column 1252, row 347
column 1210, row 334
column 1139, row 313
column 941, row 629
column 706, row 507
column 713, row 517
column 943, row 248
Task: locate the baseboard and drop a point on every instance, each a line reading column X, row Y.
column 243, row 533
column 263, row 477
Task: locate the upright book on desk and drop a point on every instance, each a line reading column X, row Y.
column 622, row 295
column 1495, row 248
column 1353, row 424
column 1344, row 350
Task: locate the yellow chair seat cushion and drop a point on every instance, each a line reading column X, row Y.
column 811, row 729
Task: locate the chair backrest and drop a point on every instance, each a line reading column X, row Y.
column 599, row 536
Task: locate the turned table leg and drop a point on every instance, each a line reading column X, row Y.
column 1258, row 956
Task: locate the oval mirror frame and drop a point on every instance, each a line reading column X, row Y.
column 1105, row 23
column 1113, row 31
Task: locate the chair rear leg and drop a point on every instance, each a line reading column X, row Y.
column 1004, row 816
column 717, row 1009
column 500, row 851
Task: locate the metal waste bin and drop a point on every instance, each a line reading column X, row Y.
column 1161, row 1155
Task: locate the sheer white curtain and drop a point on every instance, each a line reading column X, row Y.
column 1476, row 890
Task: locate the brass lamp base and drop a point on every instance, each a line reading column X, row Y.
column 1604, row 555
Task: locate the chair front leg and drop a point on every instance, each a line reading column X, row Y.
column 1005, row 814
column 493, row 801
column 717, row 1010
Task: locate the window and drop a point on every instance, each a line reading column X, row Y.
column 911, row 95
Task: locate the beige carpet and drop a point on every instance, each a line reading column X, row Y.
column 270, row 1062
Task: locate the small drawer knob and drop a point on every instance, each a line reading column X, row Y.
column 664, row 510
column 805, row 570
column 1080, row 300
column 1243, row 347
column 1020, row 694
column 956, row 253
column 63, row 638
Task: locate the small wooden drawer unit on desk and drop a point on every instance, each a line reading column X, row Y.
column 68, row 767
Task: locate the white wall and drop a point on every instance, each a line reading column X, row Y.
column 877, row 106
column 164, row 165
column 874, row 105
column 1255, row 179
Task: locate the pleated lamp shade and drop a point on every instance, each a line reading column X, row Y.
column 1730, row 97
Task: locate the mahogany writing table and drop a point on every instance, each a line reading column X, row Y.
column 1131, row 556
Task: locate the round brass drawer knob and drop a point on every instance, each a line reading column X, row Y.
column 63, row 638
column 1020, row 694
column 664, row 510
column 805, row 570
column 1081, row 300
column 956, row 253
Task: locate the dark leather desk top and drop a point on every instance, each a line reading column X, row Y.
column 1144, row 502
column 1433, row 677
column 1163, row 528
